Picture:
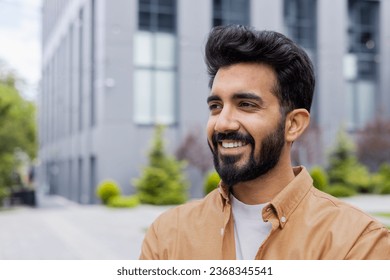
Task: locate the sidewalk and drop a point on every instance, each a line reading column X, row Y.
column 60, row 229
column 372, row 204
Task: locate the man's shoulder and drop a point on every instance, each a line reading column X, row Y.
column 192, row 210
column 341, row 211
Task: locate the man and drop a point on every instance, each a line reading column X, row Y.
column 261, row 91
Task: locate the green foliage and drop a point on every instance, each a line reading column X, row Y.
column 163, row 181
column 339, row 190
column 107, row 189
column 345, row 169
column 3, row 194
column 123, row 201
column 320, row 178
column 382, row 179
column 211, row 182
column 17, row 128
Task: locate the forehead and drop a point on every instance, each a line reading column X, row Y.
column 245, row 77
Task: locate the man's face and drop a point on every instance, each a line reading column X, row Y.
column 245, row 128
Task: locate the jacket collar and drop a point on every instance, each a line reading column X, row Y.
column 285, row 202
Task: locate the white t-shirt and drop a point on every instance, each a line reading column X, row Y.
column 249, row 228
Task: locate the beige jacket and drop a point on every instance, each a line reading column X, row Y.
column 306, row 224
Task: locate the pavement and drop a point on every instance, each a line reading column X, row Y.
column 59, row 229
column 62, row 230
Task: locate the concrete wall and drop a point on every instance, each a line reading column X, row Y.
column 332, row 45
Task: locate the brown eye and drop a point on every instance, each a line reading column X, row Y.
column 247, row 104
column 213, row 107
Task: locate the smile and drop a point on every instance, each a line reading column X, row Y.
column 229, row 144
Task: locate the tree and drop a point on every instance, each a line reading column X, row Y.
column 344, row 167
column 162, row 181
column 17, row 128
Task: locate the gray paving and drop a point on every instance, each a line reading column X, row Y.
column 372, row 204
column 59, row 229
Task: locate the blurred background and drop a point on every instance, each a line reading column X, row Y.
column 104, row 102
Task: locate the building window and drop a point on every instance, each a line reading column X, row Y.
column 155, row 63
column 361, row 67
column 300, row 22
column 230, row 12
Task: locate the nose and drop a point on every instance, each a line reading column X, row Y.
column 226, row 121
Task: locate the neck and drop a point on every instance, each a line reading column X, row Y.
column 264, row 188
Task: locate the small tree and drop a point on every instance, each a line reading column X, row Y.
column 17, row 129
column 345, row 169
column 163, row 181
column 320, row 178
column 211, row 182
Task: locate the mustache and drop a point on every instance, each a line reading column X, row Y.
column 234, row 136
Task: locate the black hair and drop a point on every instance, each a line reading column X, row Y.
column 232, row 44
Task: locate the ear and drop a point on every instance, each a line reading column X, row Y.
column 296, row 123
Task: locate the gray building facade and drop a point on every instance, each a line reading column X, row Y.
column 111, row 70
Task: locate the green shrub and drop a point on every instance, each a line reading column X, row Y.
column 123, row 201
column 107, row 189
column 157, row 187
column 163, row 181
column 320, row 178
column 345, row 169
column 4, row 193
column 339, row 190
column 211, row 182
column 381, row 180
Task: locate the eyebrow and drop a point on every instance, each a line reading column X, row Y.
column 247, row 95
column 213, row 98
column 243, row 95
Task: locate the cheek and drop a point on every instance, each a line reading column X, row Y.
column 210, row 128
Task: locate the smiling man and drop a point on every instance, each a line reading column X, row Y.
column 262, row 87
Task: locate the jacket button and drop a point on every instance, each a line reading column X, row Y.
column 283, row 219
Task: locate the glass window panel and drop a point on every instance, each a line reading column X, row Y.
column 367, row 69
column 239, row 6
column 363, row 26
column 217, row 5
column 230, row 12
column 167, row 4
column 143, row 49
column 145, row 5
column 300, row 21
column 165, row 50
column 165, row 92
column 143, row 96
column 217, row 22
column 166, row 22
column 144, row 21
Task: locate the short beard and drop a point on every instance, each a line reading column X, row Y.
column 269, row 155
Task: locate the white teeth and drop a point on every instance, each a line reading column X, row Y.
column 232, row 144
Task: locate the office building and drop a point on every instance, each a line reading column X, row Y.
column 111, row 70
